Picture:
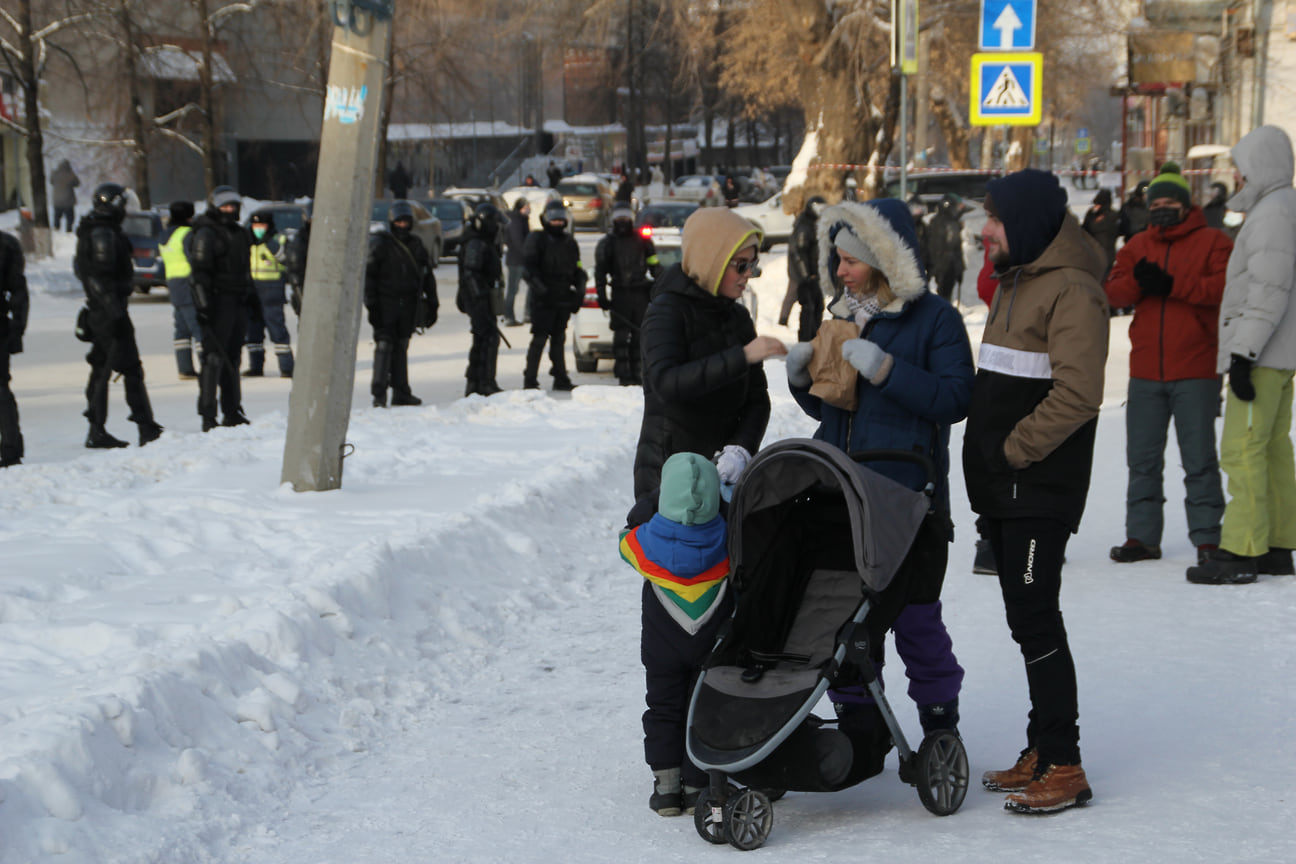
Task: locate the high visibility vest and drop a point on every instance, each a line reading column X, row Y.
column 174, row 261
column 265, row 266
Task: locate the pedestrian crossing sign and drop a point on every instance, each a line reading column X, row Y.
column 1006, row 89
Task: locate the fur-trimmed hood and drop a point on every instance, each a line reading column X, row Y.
column 887, row 228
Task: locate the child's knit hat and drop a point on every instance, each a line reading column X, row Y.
column 690, row 490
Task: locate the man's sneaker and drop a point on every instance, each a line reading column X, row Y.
column 99, row 439
column 1204, row 551
column 1014, row 779
column 667, row 795
column 1135, row 550
column 984, row 561
column 1225, row 568
column 1276, row 562
column 1053, row 788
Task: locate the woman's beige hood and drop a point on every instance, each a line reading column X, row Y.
column 712, row 236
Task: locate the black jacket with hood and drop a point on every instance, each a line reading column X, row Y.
column 699, row 391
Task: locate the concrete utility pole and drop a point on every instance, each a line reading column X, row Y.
column 319, row 407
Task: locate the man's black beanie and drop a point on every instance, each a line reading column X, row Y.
column 1031, row 204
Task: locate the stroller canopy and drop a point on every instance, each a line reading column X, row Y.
column 884, row 515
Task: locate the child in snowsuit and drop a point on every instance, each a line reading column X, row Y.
column 682, row 555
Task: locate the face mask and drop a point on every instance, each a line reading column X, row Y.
column 258, row 232
column 1164, row 216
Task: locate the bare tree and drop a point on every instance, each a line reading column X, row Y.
column 25, row 49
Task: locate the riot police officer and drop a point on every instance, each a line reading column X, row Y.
column 13, row 323
column 104, row 264
column 556, row 289
column 480, row 275
column 221, row 279
column 397, row 274
column 629, row 262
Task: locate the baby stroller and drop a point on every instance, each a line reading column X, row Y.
column 815, row 541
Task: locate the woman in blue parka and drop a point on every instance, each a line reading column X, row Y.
column 913, row 379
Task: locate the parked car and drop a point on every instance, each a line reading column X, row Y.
column 592, row 326
column 932, row 186
column 589, row 199
column 145, row 228
column 537, row 196
column 475, row 195
column 702, row 188
column 770, row 218
column 666, row 217
column 427, row 227
column 454, row 214
column 288, row 218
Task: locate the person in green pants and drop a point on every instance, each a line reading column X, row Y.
column 1257, row 347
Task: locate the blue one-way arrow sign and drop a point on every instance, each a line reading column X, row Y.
column 1007, row 25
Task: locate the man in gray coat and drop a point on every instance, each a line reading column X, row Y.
column 1257, row 347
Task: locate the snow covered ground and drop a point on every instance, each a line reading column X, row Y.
column 439, row 662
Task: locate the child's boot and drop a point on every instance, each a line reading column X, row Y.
column 667, row 797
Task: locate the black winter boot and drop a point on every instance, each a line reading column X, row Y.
column 99, row 439
column 381, row 372
column 256, row 362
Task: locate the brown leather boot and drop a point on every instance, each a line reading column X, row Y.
column 1055, row 787
column 1016, row 778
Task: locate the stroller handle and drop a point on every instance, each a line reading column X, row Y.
column 896, row 455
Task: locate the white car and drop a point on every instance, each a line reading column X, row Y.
column 770, row 218
column 536, row 196
column 592, row 326
column 701, row 188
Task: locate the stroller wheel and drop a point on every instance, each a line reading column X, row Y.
column 748, row 818
column 708, row 817
column 942, row 772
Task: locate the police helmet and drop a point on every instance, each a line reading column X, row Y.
column 554, row 212
column 488, row 219
column 400, row 210
column 223, row 195
column 109, row 200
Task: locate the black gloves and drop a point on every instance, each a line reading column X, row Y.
column 15, row 343
column 1240, row 378
column 1152, row 280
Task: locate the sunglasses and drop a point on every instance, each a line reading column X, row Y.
column 742, row 268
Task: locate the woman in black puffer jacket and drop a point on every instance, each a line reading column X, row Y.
column 704, row 386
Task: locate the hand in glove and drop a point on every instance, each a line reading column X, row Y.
column 15, row 343
column 1152, row 280
column 1240, row 378
column 731, row 462
column 871, row 361
column 798, row 358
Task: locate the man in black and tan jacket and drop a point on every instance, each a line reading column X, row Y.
column 1027, row 454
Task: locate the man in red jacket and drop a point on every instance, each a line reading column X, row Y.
column 1173, row 275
